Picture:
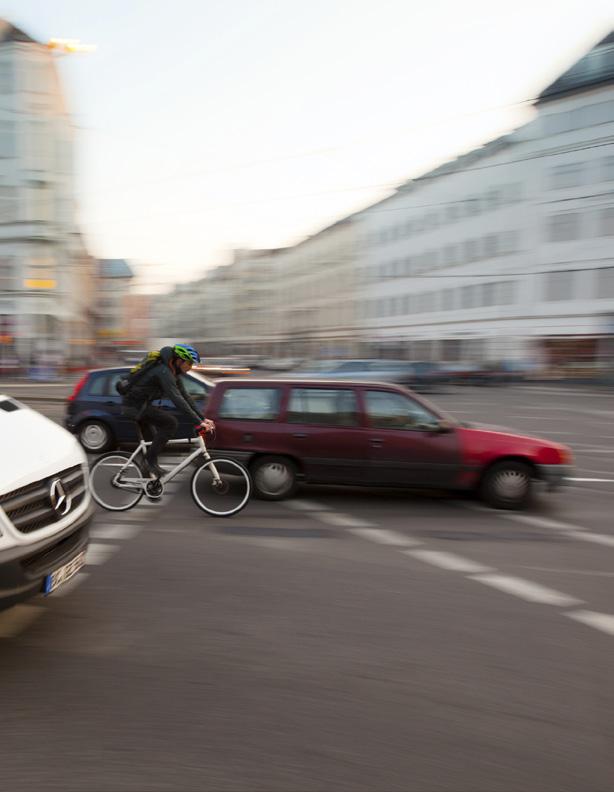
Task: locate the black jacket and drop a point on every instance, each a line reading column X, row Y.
column 159, row 382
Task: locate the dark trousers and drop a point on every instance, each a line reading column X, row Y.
column 157, row 426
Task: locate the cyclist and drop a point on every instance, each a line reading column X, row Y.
column 163, row 381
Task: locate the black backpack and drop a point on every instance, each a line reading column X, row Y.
column 125, row 384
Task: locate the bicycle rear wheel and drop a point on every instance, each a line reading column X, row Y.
column 223, row 498
column 115, row 488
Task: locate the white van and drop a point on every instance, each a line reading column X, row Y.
column 45, row 505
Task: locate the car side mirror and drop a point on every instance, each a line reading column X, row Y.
column 444, row 427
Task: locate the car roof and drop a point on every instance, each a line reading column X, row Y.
column 272, row 381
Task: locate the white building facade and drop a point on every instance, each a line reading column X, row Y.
column 507, row 252
column 41, row 298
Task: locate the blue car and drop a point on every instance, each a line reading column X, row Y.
column 94, row 409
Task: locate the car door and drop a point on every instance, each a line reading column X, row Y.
column 103, row 397
column 324, row 432
column 406, row 446
column 247, row 418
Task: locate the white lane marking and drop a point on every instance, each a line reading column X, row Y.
column 456, row 563
column 572, row 531
column 600, row 621
column 605, row 481
column 99, row 553
column 17, row 619
column 590, row 451
column 587, row 536
column 385, row 537
column 542, row 522
column 303, row 505
column 110, row 531
column 70, row 585
column 527, row 590
column 565, row 571
column 342, row 520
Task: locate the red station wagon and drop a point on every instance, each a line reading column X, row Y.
column 371, row 434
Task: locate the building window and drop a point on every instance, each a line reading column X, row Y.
column 448, row 299
column 8, row 205
column 606, row 169
column 559, row 286
column 564, row 226
column 7, row 275
column 6, row 77
column 468, row 297
column 491, row 245
column 605, row 283
column 507, row 292
column 564, row 176
column 606, row 221
column 7, row 139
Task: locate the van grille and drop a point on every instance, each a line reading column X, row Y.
column 29, row 508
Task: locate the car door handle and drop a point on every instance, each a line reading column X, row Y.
column 247, row 438
column 377, row 443
column 299, row 434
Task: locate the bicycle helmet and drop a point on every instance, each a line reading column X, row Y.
column 186, row 352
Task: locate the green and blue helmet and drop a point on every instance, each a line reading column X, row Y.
column 186, row 352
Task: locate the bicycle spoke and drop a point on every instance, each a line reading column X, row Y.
column 223, row 494
column 115, row 482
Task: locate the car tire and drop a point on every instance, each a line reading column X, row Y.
column 96, row 437
column 507, row 485
column 273, row 478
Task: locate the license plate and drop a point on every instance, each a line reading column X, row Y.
column 64, row 573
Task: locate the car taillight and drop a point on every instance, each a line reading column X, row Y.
column 78, row 387
column 565, row 456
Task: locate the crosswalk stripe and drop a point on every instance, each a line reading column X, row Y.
column 99, row 553
column 600, row 621
column 110, row 531
column 385, row 537
column 17, row 619
column 527, row 590
column 444, row 560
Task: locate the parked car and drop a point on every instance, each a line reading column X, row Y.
column 372, row 434
column 45, row 506
column 419, row 375
column 94, row 409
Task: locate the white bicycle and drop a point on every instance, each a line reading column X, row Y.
column 220, row 487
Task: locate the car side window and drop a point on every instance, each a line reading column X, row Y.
column 387, row 410
column 324, row 406
column 99, row 385
column 194, row 388
column 250, row 404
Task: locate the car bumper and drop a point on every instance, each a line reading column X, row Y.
column 555, row 475
column 23, row 569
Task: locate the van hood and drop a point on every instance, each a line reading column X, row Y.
column 32, row 447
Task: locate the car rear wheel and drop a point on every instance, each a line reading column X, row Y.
column 273, row 477
column 507, row 485
column 96, row 437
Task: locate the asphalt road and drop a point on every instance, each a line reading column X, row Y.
column 344, row 640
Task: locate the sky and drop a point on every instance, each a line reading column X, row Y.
column 203, row 126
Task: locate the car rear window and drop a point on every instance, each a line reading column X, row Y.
column 250, row 404
column 98, row 385
column 324, row 406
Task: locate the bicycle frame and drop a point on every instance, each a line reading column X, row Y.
column 170, row 475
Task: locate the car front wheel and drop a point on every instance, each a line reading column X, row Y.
column 507, row 485
column 274, row 478
column 96, row 437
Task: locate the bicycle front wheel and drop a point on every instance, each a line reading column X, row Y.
column 115, row 482
column 221, row 496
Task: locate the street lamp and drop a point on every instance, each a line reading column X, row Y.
column 69, row 46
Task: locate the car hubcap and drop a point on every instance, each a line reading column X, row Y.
column 94, row 437
column 273, row 478
column 511, row 484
